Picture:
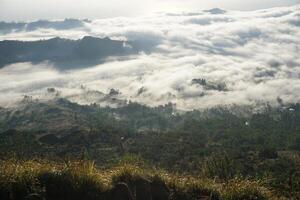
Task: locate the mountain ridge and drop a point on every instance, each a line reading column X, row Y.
column 64, row 53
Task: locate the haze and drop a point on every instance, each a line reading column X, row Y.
column 20, row 10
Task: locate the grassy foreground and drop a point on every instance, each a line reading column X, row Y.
column 83, row 180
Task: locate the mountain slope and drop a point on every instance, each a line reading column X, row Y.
column 64, row 53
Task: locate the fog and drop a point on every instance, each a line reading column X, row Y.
column 20, row 10
column 244, row 57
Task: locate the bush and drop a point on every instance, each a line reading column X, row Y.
column 18, row 179
column 73, row 181
column 78, row 180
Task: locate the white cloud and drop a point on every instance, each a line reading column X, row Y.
column 256, row 54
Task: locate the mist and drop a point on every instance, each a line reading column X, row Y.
column 20, row 10
column 244, row 57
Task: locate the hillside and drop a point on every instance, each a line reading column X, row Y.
column 82, row 180
column 222, row 143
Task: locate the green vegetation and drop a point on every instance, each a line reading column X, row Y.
column 227, row 152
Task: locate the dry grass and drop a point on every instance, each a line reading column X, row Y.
column 82, row 180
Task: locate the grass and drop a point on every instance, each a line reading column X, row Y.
column 82, row 180
column 70, row 180
column 238, row 189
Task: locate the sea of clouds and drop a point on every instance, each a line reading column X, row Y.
column 255, row 54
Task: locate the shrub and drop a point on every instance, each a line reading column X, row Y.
column 77, row 180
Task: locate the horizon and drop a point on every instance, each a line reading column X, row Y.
column 244, row 57
column 17, row 10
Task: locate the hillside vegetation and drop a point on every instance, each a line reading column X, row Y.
column 229, row 150
column 82, row 180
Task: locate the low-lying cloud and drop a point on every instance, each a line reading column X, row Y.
column 243, row 58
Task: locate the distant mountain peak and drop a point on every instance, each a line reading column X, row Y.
column 216, row 11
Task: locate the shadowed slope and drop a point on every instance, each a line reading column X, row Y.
column 64, row 53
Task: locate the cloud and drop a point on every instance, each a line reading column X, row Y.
column 254, row 54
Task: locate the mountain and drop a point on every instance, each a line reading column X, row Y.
column 64, row 53
column 215, row 11
column 8, row 27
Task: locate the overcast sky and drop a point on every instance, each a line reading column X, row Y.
column 18, row 10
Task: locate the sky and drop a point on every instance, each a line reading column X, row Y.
column 24, row 10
